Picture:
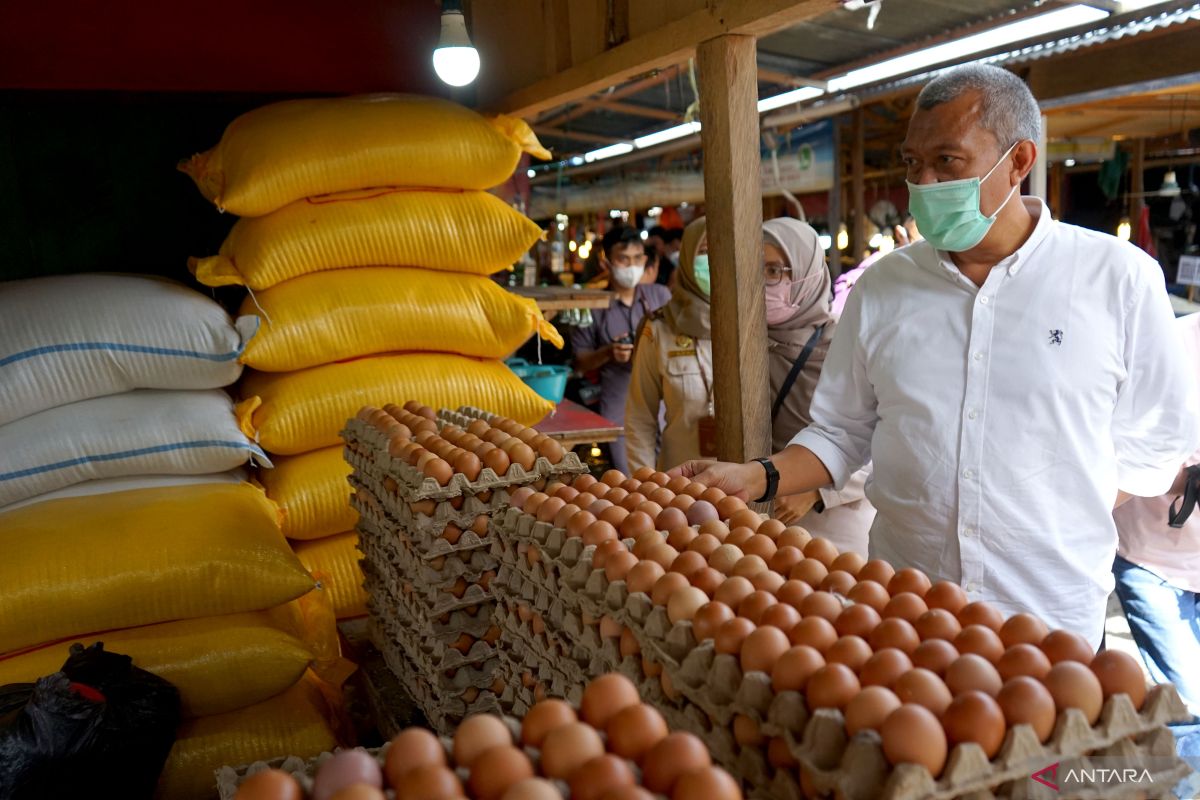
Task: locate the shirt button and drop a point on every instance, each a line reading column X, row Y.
column 985, row 300
column 968, row 474
column 972, row 586
column 968, row 532
column 972, row 414
column 978, row 356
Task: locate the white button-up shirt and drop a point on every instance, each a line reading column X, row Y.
column 1002, row 419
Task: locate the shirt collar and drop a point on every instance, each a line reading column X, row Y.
column 1040, row 212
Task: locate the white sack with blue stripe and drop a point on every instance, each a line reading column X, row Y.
column 66, row 338
column 143, row 432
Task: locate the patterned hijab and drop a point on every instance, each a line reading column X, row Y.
column 687, row 312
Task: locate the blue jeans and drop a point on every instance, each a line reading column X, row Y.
column 1165, row 623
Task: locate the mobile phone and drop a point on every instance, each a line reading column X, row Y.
column 623, row 339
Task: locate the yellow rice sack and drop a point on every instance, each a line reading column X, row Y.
column 335, row 316
column 295, row 412
column 452, row 231
column 282, row 152
column 217, row 663
column 119, row 560
column 312, row 491
column 334, row 562
column 297, row 722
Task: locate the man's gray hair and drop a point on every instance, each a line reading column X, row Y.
column 1007, row 108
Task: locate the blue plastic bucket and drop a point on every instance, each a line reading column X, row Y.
column 548, row 380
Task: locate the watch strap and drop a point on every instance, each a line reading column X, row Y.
column 772, row 480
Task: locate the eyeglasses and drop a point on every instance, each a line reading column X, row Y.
column 628, row 260
column 774, row 272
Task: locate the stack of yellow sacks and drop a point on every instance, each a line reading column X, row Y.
column 366, row 240
column 127, row 521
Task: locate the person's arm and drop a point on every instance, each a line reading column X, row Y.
column 588, row 360
column 641, row 405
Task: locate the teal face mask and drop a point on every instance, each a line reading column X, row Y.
column 948, row 214
column 700, row 270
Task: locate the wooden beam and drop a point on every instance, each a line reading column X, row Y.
column 658, row 78
column 785, row 79
column 733, row 193
column 858, row 228
column 579, row 136
column 670, row 44
column 635, row 110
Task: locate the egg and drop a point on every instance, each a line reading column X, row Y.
column 733, row 591
column 724, row 558
column 1120, row 674
column 643, row 576
column 816, row 632
column 496, row 770
column 811, row 571
column 869, row 593
column 707, row 580
column 897, row 633
column 599, row 776
column 551, row 450
column 544, row 717
column 946, row 595
column 532, row 789
column 924, row 688
column 851, row 650
column 785, row 559
column 634, row 730
column 767, row 581
column 759, row 546
column 822, row 550
column 937, row 623
column 1023, row 628
column 429, row 783
column 762, row 648
column 744, row 518
column 478, row 734
column 794, row 536
column 700, row 512
column 682, row 538
column 729, row 505
column 935, row 655
column 793, row 593
column 906, row 606
column 599, row 505
column 684, row 603
column 604, row 551
column 1025, row 701
column 980, row 640
column 869, row 709
column 822, row 604
column 666, row 586
column 644, row 541
column 572, row 746
column 628, row 645
column 780, row 616
column 497, row 461
column 739, row 536
column 715, row 528
column 618, row 565
column 857, row 620
column 794, row 667
column 981, row 613
column 627, row 793
column 270, row 784
column 708, row 618
column 909, row 580
column 838, row 582
column 360, row 791
column 831, row 686
column 705, row 544
column 613, row 515
column 670, row 519
column 731, row 634
column 848, row 562
column 578, row 524
column 683, row 502
column 412, row 748
column 676, row 755
column 566, row 514
column 1073, row 685
column 755, row 604
column 884, row 667
column 912, row 735
column 712, row 495
column 613, row 477
column 347, row 768
column 688, row 562
column 1022, row 659
column 746, row 731
column 706, row 783
column 605, row 696
column 1066, row 646
column 585, row 482
column 970, row 671
column 975, row 717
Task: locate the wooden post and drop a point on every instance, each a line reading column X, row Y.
column 1037, row 175
column 728, row 76
column 1055, row 200
column 858, row 231
column 835, row 199
column 1137, row 185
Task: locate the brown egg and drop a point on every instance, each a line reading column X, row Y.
column 857, row 620
column 663, row 496
column 439, row 470
column 732, row 634
column 695, row 489
column 811, row 571
column 884, row 667
column 746, row 731
column 946, row 595
column 532, row 789
column 544, row 717
column 477, row 734
column 663, row 553
column 468, row 464
column 981, row 641
column 712, row 495
column 683, row 502
column 714, row 527
column 678, row 483
column 924, row 688
column 496, row 770
column 635, row 500
column 906, row 606
column 572, row 746
column 913, row 735
column 822, row 550
column 550, row 508
column 579, row 523
column 1023, row 628
column 853, row 651
column 822, row 604
column 759, row 546
column 668, row 687
column 762, row 648
column 794, row 667
column 412, row 748
column 970, row 671
column 768, row 581
column 676, row 755
column 728, row 506
column 626, row 793
column 779, row 755
column 706, row 783
column 521, row 453
column 688, row 563
column 780, row 616
column 724, row 558
column 1066, row 646
column 429, row 783
column 749, row 566
column 600, row 775
column 551, row 450
column 755, row 604
column 739, row 536
column 635, row 525
column 848, row 562
column 869, row 593
column 618, row 565
column 795, row 537
column 838, row 582
column 869, row 709
column 1022, row 659
column 793, row 593
column 1120, row 674
column 604, row 551
column 613, row 515
column 896, row 633
column 831, row 686
column 651, row 668
column 700, row 512
column 684, row 603
column 634, row 730
column 644, row 541
column 1025, row 701
column 815, row 632
column 937, row 623
column 909, row 580
column 496, row 460
column 935, row 655
column 733, row 591
column 877, row 570
column 681, row 538
column 613, row 477
column 708, row 580
column 566, row 514
column 705, row 544
column 270, row 784
column 745, row 518
column 666, row 586
column 517, row 499
column 709, row 618
column 981, row 613
column 785, row 559
column 629, row 646
column 599, row 506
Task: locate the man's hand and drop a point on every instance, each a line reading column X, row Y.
column 790, row 509
column 745, row 481
column 621, row 353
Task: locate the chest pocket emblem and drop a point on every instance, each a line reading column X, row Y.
column 682, row 341
column 1056, row 336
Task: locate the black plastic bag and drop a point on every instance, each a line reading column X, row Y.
column 100, row 727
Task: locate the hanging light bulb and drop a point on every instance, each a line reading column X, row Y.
column 843, row 237
column 456, row 61
column 1124, row 229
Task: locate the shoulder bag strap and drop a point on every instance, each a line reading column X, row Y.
column 801, row 360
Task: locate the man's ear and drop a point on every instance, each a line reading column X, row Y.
column 1024, row 158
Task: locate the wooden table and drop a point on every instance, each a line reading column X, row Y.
column 563, row 298
column 572, row 425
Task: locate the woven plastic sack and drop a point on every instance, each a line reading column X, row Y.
column 72, row 337
column 453, row 231
column 134, row 558
column 297, row 722
column 143, row 432
column 285, row 151
column 334, row 562
column 312, row 491
column 295, row 412
column 335, row 316
column 218, row 663
column 128, row 483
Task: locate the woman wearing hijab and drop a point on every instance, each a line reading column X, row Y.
column 800, row 326
column 672, row 365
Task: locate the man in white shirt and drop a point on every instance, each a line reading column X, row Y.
column 1012, row 377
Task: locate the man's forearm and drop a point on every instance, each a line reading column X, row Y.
column 593, row 359
column 800, row 470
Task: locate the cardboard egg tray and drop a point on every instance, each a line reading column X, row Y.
column 423, row 530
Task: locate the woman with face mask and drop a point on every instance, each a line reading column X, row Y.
column 672, row 367
column 800, row 326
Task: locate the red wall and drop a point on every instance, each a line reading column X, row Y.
column 298, row 46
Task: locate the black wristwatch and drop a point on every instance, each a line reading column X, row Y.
column 772, row 480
